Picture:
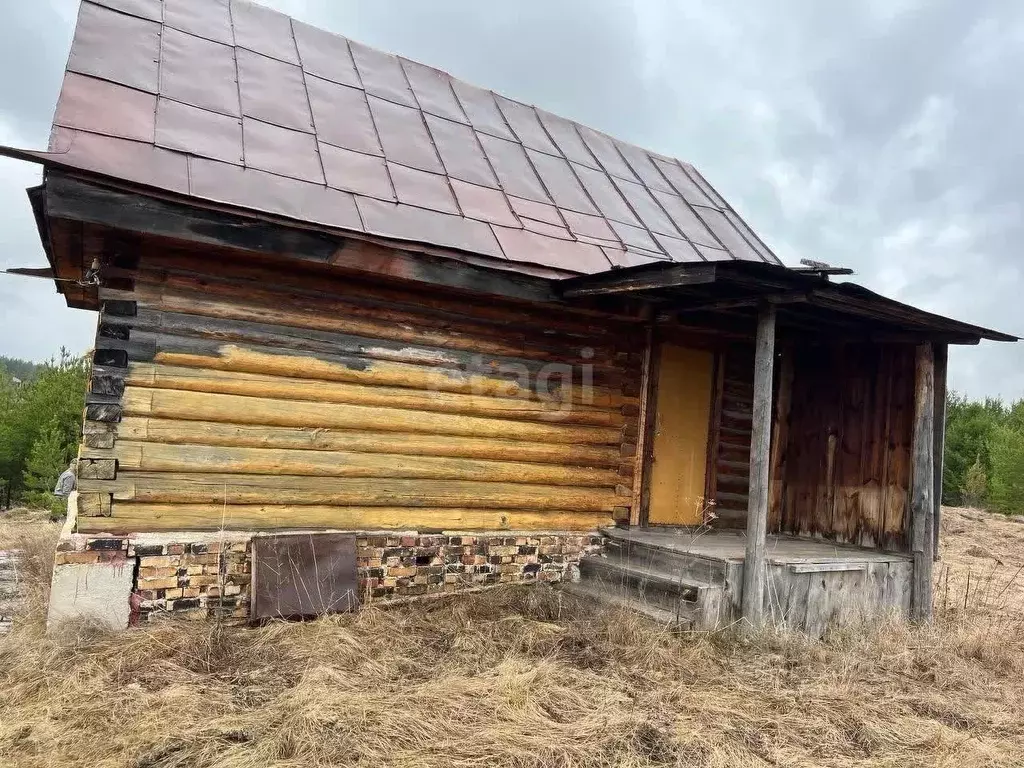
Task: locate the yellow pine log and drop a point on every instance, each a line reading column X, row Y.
column 157, row 457
column 313, row 438
column 232, row 357
column 197, row 517
column 238, row 409
column 285, row 388
column 214, row 488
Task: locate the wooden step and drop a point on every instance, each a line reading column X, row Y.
column 679, row 564
column 619, row 572
column 622, row 599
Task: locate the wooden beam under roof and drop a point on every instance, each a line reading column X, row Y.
column 648, row 278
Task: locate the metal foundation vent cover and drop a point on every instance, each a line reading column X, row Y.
column 304, row 575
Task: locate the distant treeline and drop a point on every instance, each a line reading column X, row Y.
column 40, row 422
column 984, row 457
column 22, row 370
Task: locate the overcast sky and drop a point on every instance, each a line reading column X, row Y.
column 883, row 135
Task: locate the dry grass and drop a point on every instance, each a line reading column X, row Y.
column 982, row 563
column 516, row 677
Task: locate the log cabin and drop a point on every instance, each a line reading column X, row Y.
column 367, row 332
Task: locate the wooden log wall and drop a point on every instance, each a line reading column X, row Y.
column 843, row 471
column 731, row 457
column 236, row 395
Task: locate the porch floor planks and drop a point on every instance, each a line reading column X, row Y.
column 730, row 545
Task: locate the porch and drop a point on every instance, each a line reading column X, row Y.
column 693, row 578
column 800, row 421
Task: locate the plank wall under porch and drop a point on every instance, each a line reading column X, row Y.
column 694, row 579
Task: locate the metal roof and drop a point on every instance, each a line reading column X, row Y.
column 234, row 104
column 715, row 295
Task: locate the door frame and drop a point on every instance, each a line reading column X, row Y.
column 649, row 412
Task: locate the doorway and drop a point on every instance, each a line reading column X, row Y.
column 680, row 435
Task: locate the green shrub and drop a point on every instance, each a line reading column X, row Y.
column 1007, row 449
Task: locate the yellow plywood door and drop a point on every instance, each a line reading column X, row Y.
column 680, row 436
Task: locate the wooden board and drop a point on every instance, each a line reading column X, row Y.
column 846, row 472
column 679, row 456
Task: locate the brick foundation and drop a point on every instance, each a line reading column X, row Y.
column 410, row 565
column 206, row 576
column 196, row 577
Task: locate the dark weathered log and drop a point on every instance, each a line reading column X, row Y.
column 103, row 412
column 110, row 357
column 754, row 573
column 107, row 384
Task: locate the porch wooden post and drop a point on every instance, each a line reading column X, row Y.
column 922, row 510
column 941, row 359
column 760, row 457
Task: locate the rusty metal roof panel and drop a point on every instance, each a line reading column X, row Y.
column 304, row 575
column 207, row 18
column 525, row 125
column 132, row 161
column 231, row 103
column 561, row 182
column 433, row 91
column 264, row 31
column 484, row 204
column 516, row 175
column 407, row 222
column 199, row 132
column 356, row 172
column 262, row 191
column 144, row 9
column 404, row 136
column 422, row 189
column 460, row 152
column 608, row 199
column 281, row 151
column 382, row 75
column 565, row 135
column 130, row 114
column 482, row 110
column 325, row 55
column 114, row 46
column 531, row 247
column 342, row 116
column 273, row 91
column 198, row 72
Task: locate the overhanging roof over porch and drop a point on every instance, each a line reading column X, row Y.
column 729, row 293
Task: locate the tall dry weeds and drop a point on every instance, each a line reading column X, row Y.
column 515, row 677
